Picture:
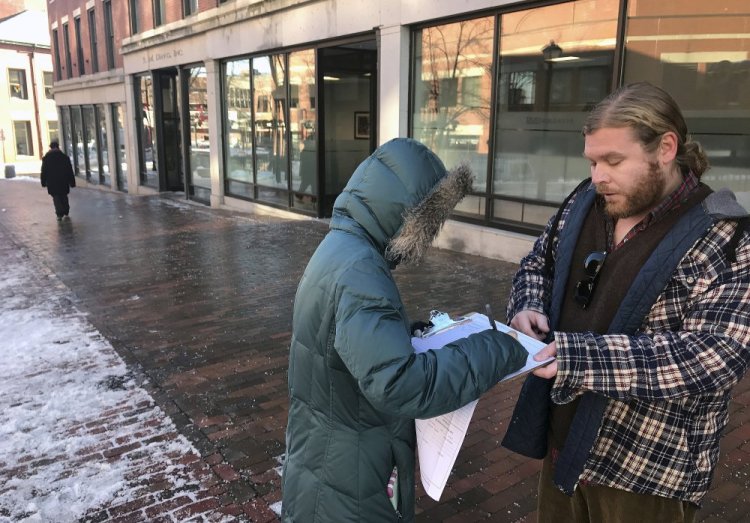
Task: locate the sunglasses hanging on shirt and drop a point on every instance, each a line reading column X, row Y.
column 585, row 287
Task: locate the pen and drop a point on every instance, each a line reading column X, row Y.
column 490, row 317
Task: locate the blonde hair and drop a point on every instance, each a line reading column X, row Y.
column 650, row 112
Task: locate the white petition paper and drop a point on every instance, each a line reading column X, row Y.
column 440, row 438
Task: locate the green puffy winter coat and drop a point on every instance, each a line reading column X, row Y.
column 355, row 383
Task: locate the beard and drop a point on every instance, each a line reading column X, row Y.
column 641, row 198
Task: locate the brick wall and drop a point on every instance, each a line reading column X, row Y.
column 120, row 25
column 11, row 7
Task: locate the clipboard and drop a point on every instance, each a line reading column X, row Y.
column 440, row 438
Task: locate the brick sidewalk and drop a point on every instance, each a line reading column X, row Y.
column 199, row 301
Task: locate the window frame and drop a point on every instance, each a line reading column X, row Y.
column 56, row 50
column 91, row 14
column 189, row 7
column 48, row 86
column 159, row 8
column 109, row 34
column 29, row 137
column 134, row 22
column 20, row 83
column 79, row 46
column 68, row 56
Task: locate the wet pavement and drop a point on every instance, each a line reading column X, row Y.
column 199, row 301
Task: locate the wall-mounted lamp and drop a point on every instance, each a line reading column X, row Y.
column 551, row 51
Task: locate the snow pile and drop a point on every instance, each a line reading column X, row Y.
column 77, row 434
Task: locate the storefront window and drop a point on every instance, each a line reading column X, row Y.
column 200, row 172
column 556, row 63
column 67, row 137
column 238, row 154
column 302, row 118
column 101, row 127
column 452, row 85
column 698, row 52
column 269, row 131
column 77, row 121
column 91, row 150
column 146, row 131
column 118, row 117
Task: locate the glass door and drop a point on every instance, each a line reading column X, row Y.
column 198, row 153
column 171, row 179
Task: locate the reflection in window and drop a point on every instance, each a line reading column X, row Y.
column 146, row 131
column 22, row 135
column 555, row 64
column 200, row 172
column 238, row 128
column 17, row 83
column 700, row 57
column 67, row 129
column 101, row 127
column 269, row 131
column 47, row 78
column 452, row 75
column 118, row 117
column 77, row 126
column 91, row 150
column 302, row 119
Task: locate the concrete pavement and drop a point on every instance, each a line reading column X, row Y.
column 199, row 301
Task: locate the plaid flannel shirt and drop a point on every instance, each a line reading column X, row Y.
column 670, row 383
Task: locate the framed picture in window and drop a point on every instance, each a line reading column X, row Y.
column 361, row 125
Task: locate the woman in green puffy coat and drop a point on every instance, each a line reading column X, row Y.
column 355, row 383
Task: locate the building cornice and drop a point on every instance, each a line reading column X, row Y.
column 107, row 78
column 24, row 47
column 222, row 16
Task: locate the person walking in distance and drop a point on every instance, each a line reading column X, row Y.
column 58, row 177
column 640, row 284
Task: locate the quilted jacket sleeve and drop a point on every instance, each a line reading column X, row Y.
column 373, row 340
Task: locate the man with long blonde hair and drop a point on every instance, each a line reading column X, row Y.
column 641, row 286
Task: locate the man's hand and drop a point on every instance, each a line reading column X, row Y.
column 549, row 370
column 531, row 323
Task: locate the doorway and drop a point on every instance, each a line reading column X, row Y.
column 171, row 177
column 347, row 79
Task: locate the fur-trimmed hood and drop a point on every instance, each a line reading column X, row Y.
column 401, row 196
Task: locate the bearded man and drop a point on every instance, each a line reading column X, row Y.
column 641, row 286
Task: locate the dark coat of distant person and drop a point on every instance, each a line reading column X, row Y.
column 57, row 172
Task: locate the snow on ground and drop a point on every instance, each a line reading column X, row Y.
column 77, row 434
